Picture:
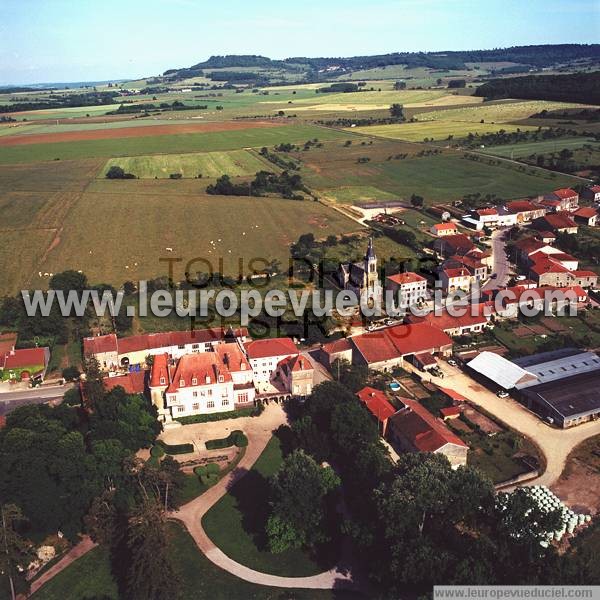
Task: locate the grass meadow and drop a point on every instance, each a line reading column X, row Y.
column 524, row 149
column 236, row 163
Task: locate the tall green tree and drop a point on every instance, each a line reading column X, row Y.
column 299, row 508
column 15, row 551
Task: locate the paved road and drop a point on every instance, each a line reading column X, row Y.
column 554, row 444
column 501, row 265
column 11, row 400
column 259, row 432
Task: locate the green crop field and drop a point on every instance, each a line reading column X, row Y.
column 522, row 149
column 166, row 144
column 119, row 230
column 65, row 113
column 357, row 194
column 235, row 163
column 435, row 130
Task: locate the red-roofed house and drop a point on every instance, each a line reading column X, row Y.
column 386, row 348
column 415, row 429
column 592, row 193
column 132, row 383
column 587, row 215
column 408, row 289
column 296, row 374
column 473, row 321
column 455, row 279
column 378, row 405
column 454, row 244
column 443, row 229
column 337, row 350
column 114, row 353
column 560, row 200
column 26, row 363
column 555, row 222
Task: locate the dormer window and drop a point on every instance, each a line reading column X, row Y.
column 221, row 379
column 194, row 381
column 242, row 366
column 181, row 382
column 207, row 379
column 162, row 381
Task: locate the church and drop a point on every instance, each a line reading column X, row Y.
column 361, row 277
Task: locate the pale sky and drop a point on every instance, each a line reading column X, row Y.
column 91, row 40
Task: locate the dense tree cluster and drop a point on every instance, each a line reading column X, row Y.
column 264, row 182
column 574, row 87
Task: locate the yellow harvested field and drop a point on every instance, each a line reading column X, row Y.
column 449, row 100
column 502, row 112
column 341, row 107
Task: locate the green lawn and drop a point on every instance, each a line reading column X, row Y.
column 236, row 523
column 166, row 144
column 90, row 577
column 235, row 163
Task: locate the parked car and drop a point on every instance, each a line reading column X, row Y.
column 494, row 276
column 452, row 362
column 502, row 394
column 520, row 278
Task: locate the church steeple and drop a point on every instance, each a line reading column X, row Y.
column 370, row 266
column 370, row 255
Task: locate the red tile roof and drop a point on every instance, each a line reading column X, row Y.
column 376, row 402
column 555, row 221
column 26, row 357
column 460, row 272
column 545, row 265
column 456, row 397
column 486, row 211
column 584, row 273
column 233, row 357
column 586, row 212
column 132, row 383
column 458, row 243
column 100, row 344
column 270, row 347
column 445, row 227
column 160, row 370
column 595, row 189
column 400, row 340
column 564, row 193
column 446, row 322
column 340, row 345
column 295, row 363
column 200, row 369
column 403, row 278
column 450, row 411
column 422, row 429
column 517, row 206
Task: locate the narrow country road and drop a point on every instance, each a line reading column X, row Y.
column 555, row 444
column 13, row 399
column 259, row 433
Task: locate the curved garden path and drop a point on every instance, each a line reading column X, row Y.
column 259, row 431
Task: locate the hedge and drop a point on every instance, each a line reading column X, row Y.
column 235, row 438
column 176, row 448
column 157, row 451
column 251, row 411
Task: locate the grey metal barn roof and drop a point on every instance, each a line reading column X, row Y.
column 500, row 370
column 558, row 365
column 571, row 397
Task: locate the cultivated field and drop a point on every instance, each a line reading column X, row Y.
column 236, row 163
column 436, row 130
column 165, row 144
column 527, row 148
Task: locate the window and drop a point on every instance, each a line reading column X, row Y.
column 225, row 402
column 243, row 397
column 181, row 409
column 221, row 379
column 181, row 346
column 181, row 382
column 195, row 346
column 209, row 392
column 195, row 394
column 210, row 404
column 194, row 381
column 162, row 381
column 195, row 406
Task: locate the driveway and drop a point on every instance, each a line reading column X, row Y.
column 554, row 444
column 259, row 432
